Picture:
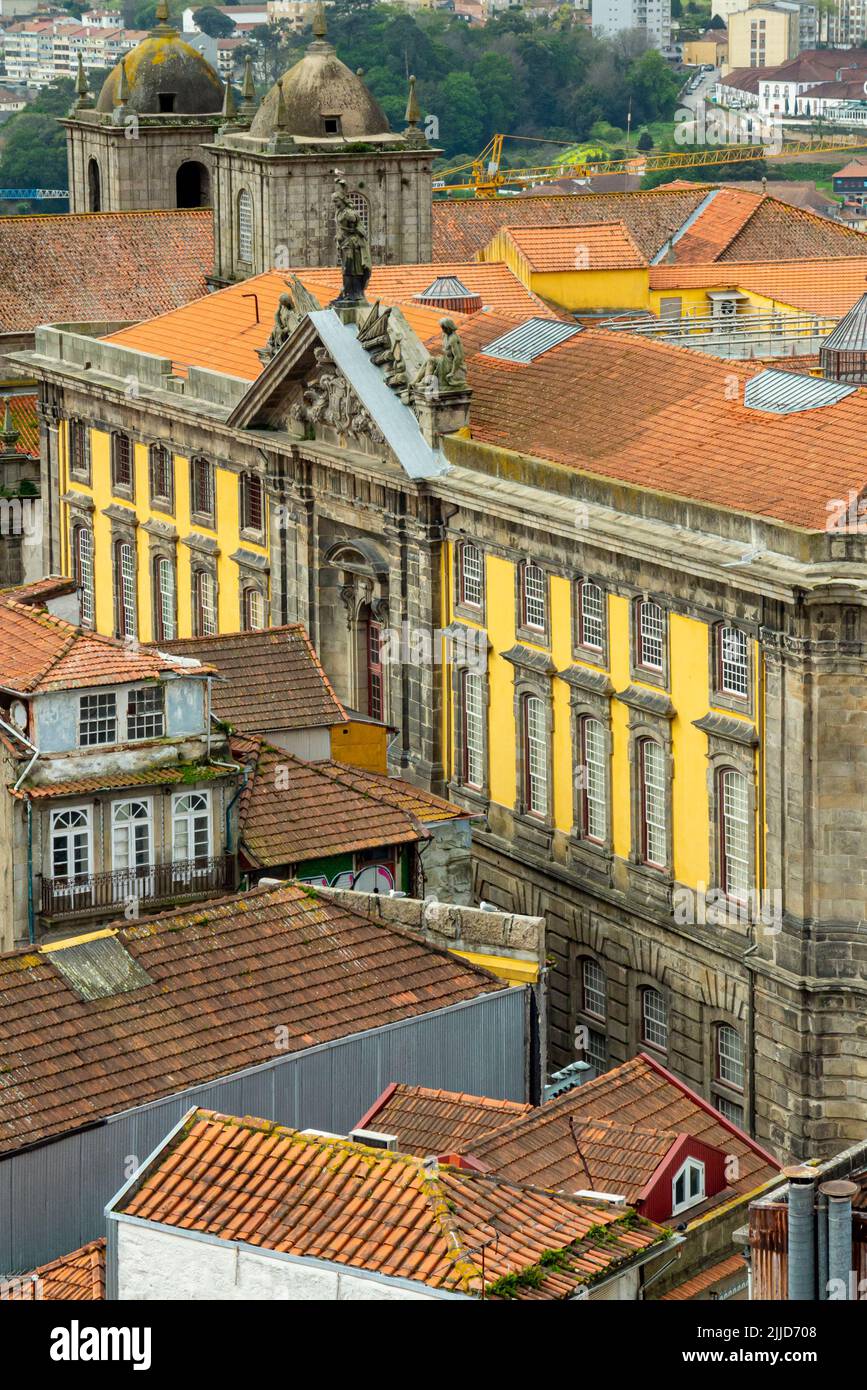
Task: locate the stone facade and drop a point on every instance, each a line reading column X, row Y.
column 138, row 162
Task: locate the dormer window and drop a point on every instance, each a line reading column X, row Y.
column 332, row 125
column 687, row 1186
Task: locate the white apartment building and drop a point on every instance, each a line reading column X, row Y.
column 38, row 52
column 615, row 16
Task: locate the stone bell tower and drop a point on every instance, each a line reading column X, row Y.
column 275, row 167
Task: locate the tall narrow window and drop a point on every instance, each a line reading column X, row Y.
column 82, row 559
column 535, row 756
column 125, row 577
column 474, row 731
column 374, row 670
column 245, row 227
column 161, row 473
column 251, row 502
column 594, row 782
column 79, row 453
column 651, row 636
column 206, row 604
column 654, row 827
column 203, row 488
column 471, row 575
column 593, row 991
column 121, row 461
column 734, row 816
column 591, row 616
column 733, row 661
column 729, row 1057
column 191, row 827
column 165, row 624
column 254, row 610
column 70, row 844
column 654, row 1019
column 533, row 595
column 131, row 835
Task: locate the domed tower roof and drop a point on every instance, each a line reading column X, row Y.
column 162, row 75
column 321, row 97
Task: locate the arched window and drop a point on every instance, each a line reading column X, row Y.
column 125, row 581
column 192, row 185
column 535, row 756
column 82, row 562
column 654, row 1019
column 206, row 604
column 473, row 729
column 653, row 810
column 594, row 782
column 371, row 633
column 359, row 203
column 165, row 625
column 245, row 227
column 734, row 834
column 254, row 609
column 94, row 187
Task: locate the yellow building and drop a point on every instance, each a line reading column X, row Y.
column 712, row 48
column 593, row 266
column 763, row 36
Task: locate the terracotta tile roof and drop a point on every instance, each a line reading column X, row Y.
column 855, row 169
column 596, row 246
column 394, row 791
column 252, row 1181
column 101, row 267
column 41, row 590
column 22, row 410
column 106, row 781
column 225, row 975
column 427, row 1121
column 76, row 1277
column 640, row 1096
column 779, row 231
column 463, row 227
column 818, row 286
column 727, row 212
column 41, row 652
column 272, row 680
column 221, row 332
column 784, row 466
column 700, row 1283
column 293, row 811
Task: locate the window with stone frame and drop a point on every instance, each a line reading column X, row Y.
column 473, row 729
column 254, row 609
column 593, row 784
column 82, row 571
column 122, row 463
column 251, row 502
column 590, row 624
column 205, row 611
column 729, row 1057
column 165, row 599
column 534, row 597
column 161, row 470
column 654, row 1019
column 471, row 575
column 653, row 804
column 79, row 450
column 735, row 833
column 245, row 227
column 535, row 756
column 650, row 636
column 594, row 1000
column 732, row 666
column 126, row 608
column 202, row 488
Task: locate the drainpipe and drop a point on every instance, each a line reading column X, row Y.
column 802, row 1234
column 31, row 916
column 839, row 1195
column 822, row 1241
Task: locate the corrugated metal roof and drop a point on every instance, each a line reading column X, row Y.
column 787, row 393
column 530, row 339
column 850, row 335
column 99, row 968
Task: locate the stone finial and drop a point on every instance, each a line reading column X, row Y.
column 163, row 23
column 413, row 110
column 9, row 435
column 230, row 110
column 320, row 26
column 123, row 85
column 248, row 86
column 281, row 115
column 82, row 91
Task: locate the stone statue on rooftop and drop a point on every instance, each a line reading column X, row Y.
column 353, row 247
column 285, row 320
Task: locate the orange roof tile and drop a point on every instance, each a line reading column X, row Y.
column 76, row 1277
column 790, row 467
column 22, row 411
column 101, row 267
column 223, row 976
column 40, row 652
column 819, row 286
column 428, row 1121
column 390, row 1214
column 700, row 1283
column 727, row 212
column 221, row 332
column 593, row 246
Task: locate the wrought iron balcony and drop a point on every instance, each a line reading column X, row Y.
column 151, row 885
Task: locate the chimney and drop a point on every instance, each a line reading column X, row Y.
column 802, row 1234
column 839, row 1195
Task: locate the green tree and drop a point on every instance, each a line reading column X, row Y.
column 213, row 22
column 34, row 144
column 645, row 140
column 462, row 113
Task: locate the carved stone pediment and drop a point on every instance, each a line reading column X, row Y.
column 326, row 401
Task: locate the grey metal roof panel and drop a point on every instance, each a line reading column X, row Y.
column 530, row 339
column 445, row 287
column 787, row 393
column 850, row 335
column 99, row 968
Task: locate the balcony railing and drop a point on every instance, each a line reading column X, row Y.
column 150, row 884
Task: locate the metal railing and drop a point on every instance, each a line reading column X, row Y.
column 150, row 883
column 760, row 334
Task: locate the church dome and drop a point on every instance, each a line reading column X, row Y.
column 321, row 97
column 162, row 75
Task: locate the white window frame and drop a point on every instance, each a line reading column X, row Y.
column 536, row 756
column 245, row 226
column 130, row 881
column 651, row 636
column 655, row 1018
column 86, row 812
column 127, row 584
column 534, row 597
column 733, row 674
column 110, row 699
column 83, row 539
column 594, row 761
column 189, row 816
column 593, row 621
column 471, row 574
column 593, row 983
column 166, row 597
column 685, row 1171
column 653, row 808
column 735, row 833
column 207, row 613
column 158, row 689
column 474, row 729
column 723, row 1059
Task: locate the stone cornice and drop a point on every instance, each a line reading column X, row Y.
column 735, row 730
column 654, row 702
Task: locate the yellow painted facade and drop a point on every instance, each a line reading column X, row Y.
column 689, row 687
column 574, row 288
column 225, row 533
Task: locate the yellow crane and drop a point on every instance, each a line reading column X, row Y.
column 485, row 175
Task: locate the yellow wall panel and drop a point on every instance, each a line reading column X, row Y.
column 500, row 613
column 618, row 646
column 688, row 655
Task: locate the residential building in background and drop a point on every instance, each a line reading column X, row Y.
column 617, row 16
column 38, row 52
column 764, row 35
